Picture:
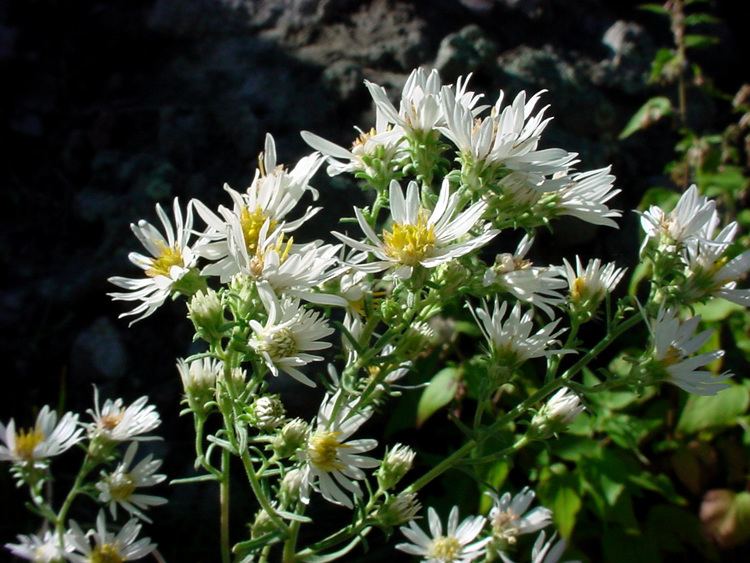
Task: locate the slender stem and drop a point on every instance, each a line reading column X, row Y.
column 442, row 467
column 75, row 490
column 290, row 545
column 224, row 502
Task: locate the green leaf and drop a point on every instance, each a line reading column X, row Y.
column 701, row 18
column 560, row 493
column 700, row 41
column 622, row 547
column 682, row 533
column 730, row 181
column 717, row 309
column 654, row 8
column 659, row 484
column 664, row 66
column 659, row 196
column 648, row 114
column 715, row 411
column 439, row 392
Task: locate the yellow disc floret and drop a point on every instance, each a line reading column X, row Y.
column 106, row 553
column 251, row 223
column 168, row 256
column 445, row 548
column 323, row 449
column 410, row 244
column 121, row 486
column 27, row 441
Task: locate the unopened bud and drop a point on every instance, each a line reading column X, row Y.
column 399, row 510
column 266, row 413
column 262, row 524
column 198, row 381
column 559, row 412
column 395, row 464
column 207, row 313
column 290, row 438
column 290, row 487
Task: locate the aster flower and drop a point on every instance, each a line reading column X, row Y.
column 511, row 340
column 168, row 268
column 288, row 335
column 122, row 546
column 510, row 516
column 234, row 235
column 709, row 270
column 48, row 438
column 114, row 422
column 674, row 342
column 419, row 237
column 585, row 197
column 683, row 223
column 457, row 545
column 44, row 549
column 383, row 141
column 119, row 487
column 332, row 463
column 558, row 413
column 516, row 275
column 590, row 285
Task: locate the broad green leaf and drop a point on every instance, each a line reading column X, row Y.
column 700, row 41
column 715, row 411
column 495, row 478
column 560, row 493
column 438, row 393
column 739, row 324
column 659, row 484
column 731, row 180
column 717, row 309
column 648, row 114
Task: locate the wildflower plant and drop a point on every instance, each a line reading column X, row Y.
column 358, row 318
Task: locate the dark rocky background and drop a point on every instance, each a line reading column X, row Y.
column 109, row 107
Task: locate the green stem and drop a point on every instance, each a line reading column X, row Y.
column 75, row 490
column 290, row 545
column 224, row 504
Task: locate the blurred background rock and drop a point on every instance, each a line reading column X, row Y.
column 108, row 107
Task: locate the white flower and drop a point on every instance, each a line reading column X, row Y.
column 199, row 376
column 532, row 284
column 44, row 549
column 709, row 270
column 46, row 439
column 511, row 341
column 563, row 407
column 270, row 198
column 510, row 517
column 383, row 141
column 590, row 285
column 108, row 546
column 288, row 335
column 683, row 223
column 119, row 486
column 453, row 546
column 674, row 341
column 418, row 237
column 397, row 461
column 333, row 463
column 585, row 196
column 115, row 422
column 172, row 258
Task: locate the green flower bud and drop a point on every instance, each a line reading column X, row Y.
column 198, row 381
column 394, row 466
column 290, row 487
column 398, row 510
column 207, row 313
column 266, row 413
column 290, row 438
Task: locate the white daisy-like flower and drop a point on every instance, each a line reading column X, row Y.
column 44, row 549
column 457, row 545
column 510, row 516
column 332, row 463
column 48, row 438
column 683, row 223
column 172, row 258
column 119, row 486
column 590, row 285
column 585, row 197
column 234, row 235
column 199, row 376
column 383, row 141
column 290, row 333
column 511, row 340
column 419, row 237
column 114, row 422
column 561, row 409
column 108, row 546
column 674, row 342
column 531, row 284
column 709, row 270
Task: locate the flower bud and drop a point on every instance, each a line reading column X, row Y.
column 290, row 487
column 262, row 525
column 391, row 310
column 198, row 380
column 291, row 438
column 395, row 464
column 559, row 412
column 207, row 313
column 266, row 413
column 398, row 510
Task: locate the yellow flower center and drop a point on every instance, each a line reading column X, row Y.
column 251, row 223
column 106, row 553
column 121, row 486
column 502, row 526
column 373, row 371
column 672, row 356
column 110, row 421
column 364, row 136
column 578, row 290
column 161, row 265
column 410, row 244
column 281, row 248
column 281, row 344
column 445, row 548
column 323, row 450
column 26, row 441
